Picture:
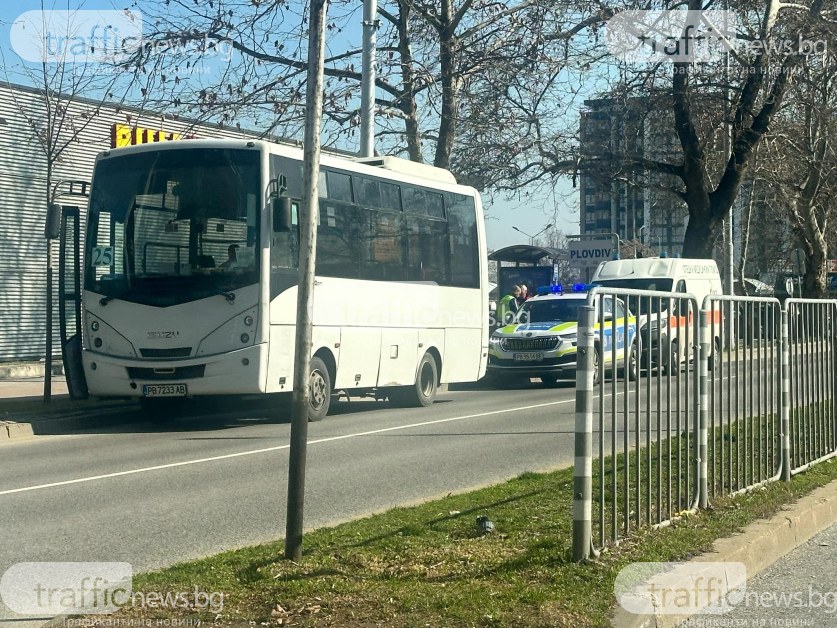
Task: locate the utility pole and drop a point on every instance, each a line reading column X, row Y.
column 730, row 245
column 305, row 292
column 367, row 85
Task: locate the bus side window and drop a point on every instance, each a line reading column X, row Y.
column 284, row 246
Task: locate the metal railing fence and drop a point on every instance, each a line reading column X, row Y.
column 642, row 431
column 672, row 412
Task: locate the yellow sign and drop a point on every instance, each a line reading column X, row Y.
column 125, row 135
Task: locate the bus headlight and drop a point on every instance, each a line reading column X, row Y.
column 237, row 332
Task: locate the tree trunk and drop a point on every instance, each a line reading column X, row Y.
column 447, row 123
column 407, row 102
column 815, row 281
column 703, row 228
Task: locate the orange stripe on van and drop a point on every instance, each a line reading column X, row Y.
column 680, row 321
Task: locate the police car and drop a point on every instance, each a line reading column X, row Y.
column 541, row 341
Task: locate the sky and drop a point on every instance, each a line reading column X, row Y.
column 530, row 215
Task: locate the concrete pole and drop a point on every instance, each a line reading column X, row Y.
column 367, row 86
column 706, row 350
column 583, row 469
column 305, row 293
column 786, row 400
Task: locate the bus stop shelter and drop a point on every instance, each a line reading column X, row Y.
column 523, row 263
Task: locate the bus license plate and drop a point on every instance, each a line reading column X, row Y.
column 164, row 390
column 529, row 357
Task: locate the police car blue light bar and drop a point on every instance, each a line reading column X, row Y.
column 555, row 289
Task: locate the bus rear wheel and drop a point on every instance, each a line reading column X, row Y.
column 423, row 392
column 319, row 390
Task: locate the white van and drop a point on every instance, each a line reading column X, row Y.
column 699, row 277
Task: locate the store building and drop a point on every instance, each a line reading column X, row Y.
column 83, row 128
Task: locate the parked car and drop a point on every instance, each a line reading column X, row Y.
column 542, row 339
column 755, row 321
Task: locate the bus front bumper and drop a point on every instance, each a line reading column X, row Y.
column 237, row 372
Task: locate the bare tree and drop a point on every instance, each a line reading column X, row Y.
column 461, row 84
column 741, row 101
column 62, row 75
column 802, row 164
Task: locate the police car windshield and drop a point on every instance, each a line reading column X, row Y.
column 548, row 310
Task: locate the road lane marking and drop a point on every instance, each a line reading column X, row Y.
column 254, row 452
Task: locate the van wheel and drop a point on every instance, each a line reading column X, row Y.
column 715, row 356
column 319, row 390
column 673, row 365
column 423, row 392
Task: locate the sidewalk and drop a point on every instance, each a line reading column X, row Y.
column 24, row 381
column 22, row 405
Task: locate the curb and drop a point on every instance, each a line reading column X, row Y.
column 25, row 419
column 761, row 544
column 9, row 430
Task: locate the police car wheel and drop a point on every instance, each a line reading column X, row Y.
column 632, row 370
column 597, row 379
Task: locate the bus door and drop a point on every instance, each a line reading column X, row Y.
column 69, row 300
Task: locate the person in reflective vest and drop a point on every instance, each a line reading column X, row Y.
column 507, row 307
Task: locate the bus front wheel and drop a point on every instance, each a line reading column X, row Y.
column 423, row 392
column 319, row 391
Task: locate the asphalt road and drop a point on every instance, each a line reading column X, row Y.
column 154, row 496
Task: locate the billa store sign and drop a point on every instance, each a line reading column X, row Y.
column 125, row 135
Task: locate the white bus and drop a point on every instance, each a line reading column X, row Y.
column 191, row 267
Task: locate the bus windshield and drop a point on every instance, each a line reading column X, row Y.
column 172, row 226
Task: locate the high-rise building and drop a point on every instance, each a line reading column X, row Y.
column 615, row 198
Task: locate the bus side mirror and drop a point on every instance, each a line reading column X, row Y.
column 282, row 220
column 52, row 227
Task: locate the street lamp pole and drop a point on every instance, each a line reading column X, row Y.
column 532, row 237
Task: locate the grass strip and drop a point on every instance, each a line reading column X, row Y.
column 430, row 565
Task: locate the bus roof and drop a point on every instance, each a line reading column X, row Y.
column 369, row 164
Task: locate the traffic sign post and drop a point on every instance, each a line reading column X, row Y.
column 587, row 251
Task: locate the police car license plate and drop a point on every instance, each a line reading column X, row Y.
column 531, row 356
column 164, row 390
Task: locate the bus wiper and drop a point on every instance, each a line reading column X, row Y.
column 229, row 296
